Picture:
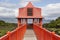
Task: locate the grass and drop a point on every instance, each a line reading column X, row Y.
column 2, row 32
column 6, row 28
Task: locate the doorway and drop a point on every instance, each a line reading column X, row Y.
column 29, row 23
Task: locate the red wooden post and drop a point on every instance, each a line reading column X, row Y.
column 17, row 33
column 53, row 37
column 40, row 22
column 19, row 22
column 9, row 35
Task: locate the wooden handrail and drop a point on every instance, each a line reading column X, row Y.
column 16, row 34
column 44, row 34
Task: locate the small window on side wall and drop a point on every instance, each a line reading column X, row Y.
column 29, row 11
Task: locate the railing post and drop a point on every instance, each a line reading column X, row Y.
column 17, row 35
column 9, row 37
column 52, row 36
column 19, row 22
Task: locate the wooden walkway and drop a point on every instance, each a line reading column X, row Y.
column 29, row 35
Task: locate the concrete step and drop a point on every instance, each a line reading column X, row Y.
column 29, row 35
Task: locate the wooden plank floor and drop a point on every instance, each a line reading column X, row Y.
column 29, row 35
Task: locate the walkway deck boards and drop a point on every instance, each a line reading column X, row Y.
column 29, row 35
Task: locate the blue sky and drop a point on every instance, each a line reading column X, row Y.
column 38, row 2
column 50, row 8
column 46, row 2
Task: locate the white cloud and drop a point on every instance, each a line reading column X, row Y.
column 16, row 12
column 9, row 9
column 7, row 5
column 6, row 12
column 51, row 11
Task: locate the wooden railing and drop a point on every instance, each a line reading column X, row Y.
column 43, row 34
column 17, row 34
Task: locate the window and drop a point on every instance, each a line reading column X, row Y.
column 29, row 11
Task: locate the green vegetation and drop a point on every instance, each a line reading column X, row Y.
column 4, row 27
column 54, row 25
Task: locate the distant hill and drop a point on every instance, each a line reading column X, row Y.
column 53, row 25
column 9, row 20
column 46, row 21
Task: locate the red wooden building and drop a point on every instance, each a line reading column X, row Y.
column 29, row 14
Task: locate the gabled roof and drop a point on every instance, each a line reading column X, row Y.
column 29, row 4
column 23, row 12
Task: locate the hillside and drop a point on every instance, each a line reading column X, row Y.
column 54, row 25
column 4, row 27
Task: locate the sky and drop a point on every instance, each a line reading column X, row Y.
column 50, row 8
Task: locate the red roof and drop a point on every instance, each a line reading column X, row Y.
column 29, row 5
